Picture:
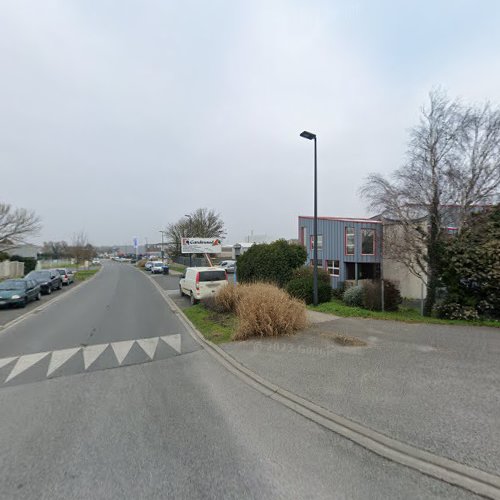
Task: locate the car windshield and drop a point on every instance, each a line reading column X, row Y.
column 62, row 271
column 13, row 285
column 212, row 275
column 39, row 275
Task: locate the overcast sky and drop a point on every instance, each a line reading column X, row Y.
column 118, row 117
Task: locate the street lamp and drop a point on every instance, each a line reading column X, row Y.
column 190, row 218
column 310, row 136
column 162, row 251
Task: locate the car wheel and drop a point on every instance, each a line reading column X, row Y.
column 60, row 285
column 49, row 290
column 24, row 303
column 38, row 296
column 192, row 299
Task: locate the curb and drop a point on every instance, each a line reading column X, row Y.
column 444, row 469
column 41, row 308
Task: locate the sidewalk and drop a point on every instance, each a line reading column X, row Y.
column 436, row 387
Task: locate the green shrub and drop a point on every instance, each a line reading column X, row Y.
column 338, row 293
column 301, row 285
column 392, row 296
column 353, row 296
column 453, row 310
column 372, row 293
column 273, row 262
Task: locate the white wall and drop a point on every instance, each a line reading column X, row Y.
column 10, row 269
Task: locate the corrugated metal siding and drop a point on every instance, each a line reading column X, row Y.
column 333, row 232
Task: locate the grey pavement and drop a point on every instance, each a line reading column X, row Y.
column 177, row 427
column 436, row 387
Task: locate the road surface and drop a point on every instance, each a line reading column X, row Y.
column 105, row 395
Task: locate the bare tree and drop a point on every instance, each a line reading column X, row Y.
column 16, row 224
column 452, row 164
column 81, row 250
column 56, row 249
column 203, row 223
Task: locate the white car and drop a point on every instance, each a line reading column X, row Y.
column 202, row 282
column 96, row 261
column 148, row 265
column 157, row 267
column 228, row 265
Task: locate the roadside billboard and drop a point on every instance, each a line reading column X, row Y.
column 201, row 245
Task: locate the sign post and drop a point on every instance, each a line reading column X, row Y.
column 136, row 246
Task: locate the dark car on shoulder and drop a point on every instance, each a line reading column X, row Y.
column 18, row 292
column 49, row 280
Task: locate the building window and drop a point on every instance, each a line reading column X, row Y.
column 333, row 267
column 320, row 242
column 368, row 241
column 320, row 262
column 349, row 241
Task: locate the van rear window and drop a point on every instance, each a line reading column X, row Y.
column 212, row 276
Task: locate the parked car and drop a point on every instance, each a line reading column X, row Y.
column 67, row 276
column 229, row 266
column 18, row 292
column 158, row 267
column 49, row 280
column 96, row 261
column 148, row 265
column 202, row 282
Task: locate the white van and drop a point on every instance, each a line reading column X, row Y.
column 202, row 282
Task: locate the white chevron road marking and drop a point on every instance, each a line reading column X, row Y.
column 25, row 362
column 121, row 349
column 58, row 358
column 149, row 346
column 6, row 361
column 173, row 341
column 91, row 353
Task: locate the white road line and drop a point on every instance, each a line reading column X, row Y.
column 91, row 353
column 24, row 362
column 149, row 345
column 121, row 349
column 173, row 341
column 58, row 358
column 6, row 361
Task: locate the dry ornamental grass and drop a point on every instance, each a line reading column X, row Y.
column 266, row 310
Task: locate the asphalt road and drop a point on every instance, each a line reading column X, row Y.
column 133, row 408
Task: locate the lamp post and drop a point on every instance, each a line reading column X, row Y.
column 162, row 252
column 310, row 136
column 190, row 255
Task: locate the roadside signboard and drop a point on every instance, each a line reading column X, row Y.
column 136, row 243
column 201, row 245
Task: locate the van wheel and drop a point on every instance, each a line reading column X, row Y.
column 180, row 291
column 192, row 299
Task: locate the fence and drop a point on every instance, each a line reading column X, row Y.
column 195, row 261
column 11, row 269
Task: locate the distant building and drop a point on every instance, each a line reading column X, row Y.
column 240, row 249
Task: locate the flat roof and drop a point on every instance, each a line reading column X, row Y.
column 342, row 219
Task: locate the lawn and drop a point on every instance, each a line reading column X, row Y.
column 408, row 315
column 215, row 327
column 177, row 267
column 85, row 274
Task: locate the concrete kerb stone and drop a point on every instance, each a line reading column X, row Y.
column 444, row 469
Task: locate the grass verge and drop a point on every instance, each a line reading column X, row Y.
column 85, row 274
column 215, row 327
column 177, row 267
column 407, row 315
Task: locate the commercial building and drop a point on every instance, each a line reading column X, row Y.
column 348, row 249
